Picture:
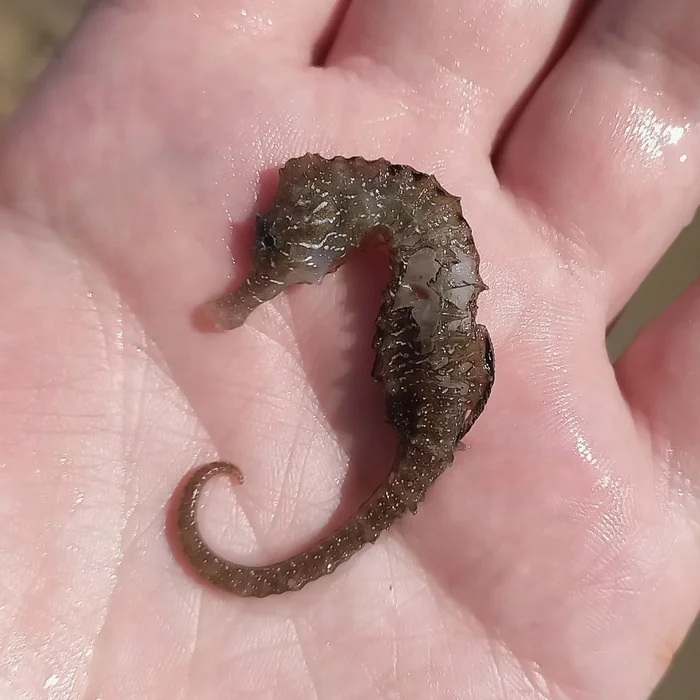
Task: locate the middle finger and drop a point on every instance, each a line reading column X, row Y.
column 486, row 52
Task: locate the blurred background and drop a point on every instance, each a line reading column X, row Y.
column 30, row 32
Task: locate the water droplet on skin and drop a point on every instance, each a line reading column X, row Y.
column 653, row 132
column 585, row 451
column 683, row 158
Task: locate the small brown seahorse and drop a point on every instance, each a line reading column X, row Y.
column 434, row 361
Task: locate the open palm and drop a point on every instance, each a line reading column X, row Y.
column 557, row 558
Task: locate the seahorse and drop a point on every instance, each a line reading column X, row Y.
column 435, row 362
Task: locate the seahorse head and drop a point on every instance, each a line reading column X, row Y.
column 302, row 237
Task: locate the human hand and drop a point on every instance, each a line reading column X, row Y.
column 557, row 558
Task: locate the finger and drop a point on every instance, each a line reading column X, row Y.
column 607, row 151
column 294, row 29
column 660, row 379
column 469, row 62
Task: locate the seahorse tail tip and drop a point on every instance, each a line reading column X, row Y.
column 202, row 474
column 193, row 488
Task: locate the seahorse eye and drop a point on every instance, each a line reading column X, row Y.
column 264, row 235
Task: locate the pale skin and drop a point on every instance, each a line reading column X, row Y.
column 558, row 558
